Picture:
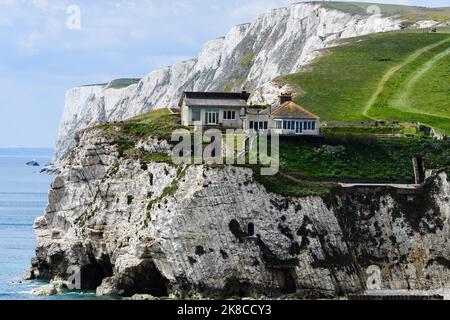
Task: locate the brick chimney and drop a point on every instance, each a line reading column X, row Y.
column 285, row 97
column 245, row 95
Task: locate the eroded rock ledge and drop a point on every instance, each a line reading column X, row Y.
column 153, row 228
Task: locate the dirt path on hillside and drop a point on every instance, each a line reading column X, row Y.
column 388, row 75
column 400, row 101
column 361, row 185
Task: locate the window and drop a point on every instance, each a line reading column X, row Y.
column 212, row 116
column 279, row 124
column 284, row 125
column 305, row 125
column 309, row 125
column 266, row 125
column 292, row 125
column 261, row 125
column 229, row 115
column 196, row 114
column 251, row 125
column 314, row 125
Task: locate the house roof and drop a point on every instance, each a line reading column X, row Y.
column 291, row 110
column 215, row 99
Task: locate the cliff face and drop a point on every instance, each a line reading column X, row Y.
column 137, row 227
column 249, row 56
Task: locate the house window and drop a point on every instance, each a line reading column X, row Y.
column 251, row 125
column 212, row 117
column 229, row 115
column 261, row 125
column 266, row 125
column 196, row 114
column 292, row 125
column 309, row 125
column 284, row 125
column 314, row 126
column 279, row 124
column 305, row 125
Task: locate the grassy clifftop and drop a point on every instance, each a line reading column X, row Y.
column 396, row 76
column 409, row 13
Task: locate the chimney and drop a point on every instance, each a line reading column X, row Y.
column 245, row 95
column 419, row 169
column 285, row 97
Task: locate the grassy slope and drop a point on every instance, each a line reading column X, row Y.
column 123, row 83
column 339, row 157
column 159, row 123
column 432, row 89
column 339, row 85
column 361, row 158
column 407, row 12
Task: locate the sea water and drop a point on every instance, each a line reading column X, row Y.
column 23, row 197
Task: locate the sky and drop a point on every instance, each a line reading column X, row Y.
column 50, row 46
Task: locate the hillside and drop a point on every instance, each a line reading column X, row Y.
column 395, row 76
column 409, row 13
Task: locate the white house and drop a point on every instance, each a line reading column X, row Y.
column 230, row 110
column 285, row 118
column 224, row 109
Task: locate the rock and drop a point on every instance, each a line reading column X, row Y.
column 143, row 297
column 108, row 288
column 195, row 240
column 29, row 274
column 54, row 288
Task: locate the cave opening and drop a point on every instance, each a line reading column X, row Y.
column 251, row 229
column 145, row 279
column 92, row 274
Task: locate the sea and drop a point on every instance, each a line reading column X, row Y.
column 23, row 197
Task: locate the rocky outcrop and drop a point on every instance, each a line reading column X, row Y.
column 250, row 56
column 158, row 229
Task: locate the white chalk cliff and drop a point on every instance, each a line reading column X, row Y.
column 135, row 227
column 250, row 56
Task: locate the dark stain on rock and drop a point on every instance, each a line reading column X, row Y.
column 224, row 254
column 200, row 251
column 280, row 205
column 271, row 260
column 294, row 249
column 129, row 200
column 235, row 229
column 441, row 261
column 192, row 260
column 286, row 231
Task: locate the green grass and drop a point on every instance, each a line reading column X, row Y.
column 411, row 13
column 432, row 90
column 307, row 167
column 339, row 85
column 382, row 130
column 361, row 157
column 159, row 124
column 122, row 83
column 247, row 59
column 284, row 186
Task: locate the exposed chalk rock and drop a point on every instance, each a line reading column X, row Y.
column 215, row 232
